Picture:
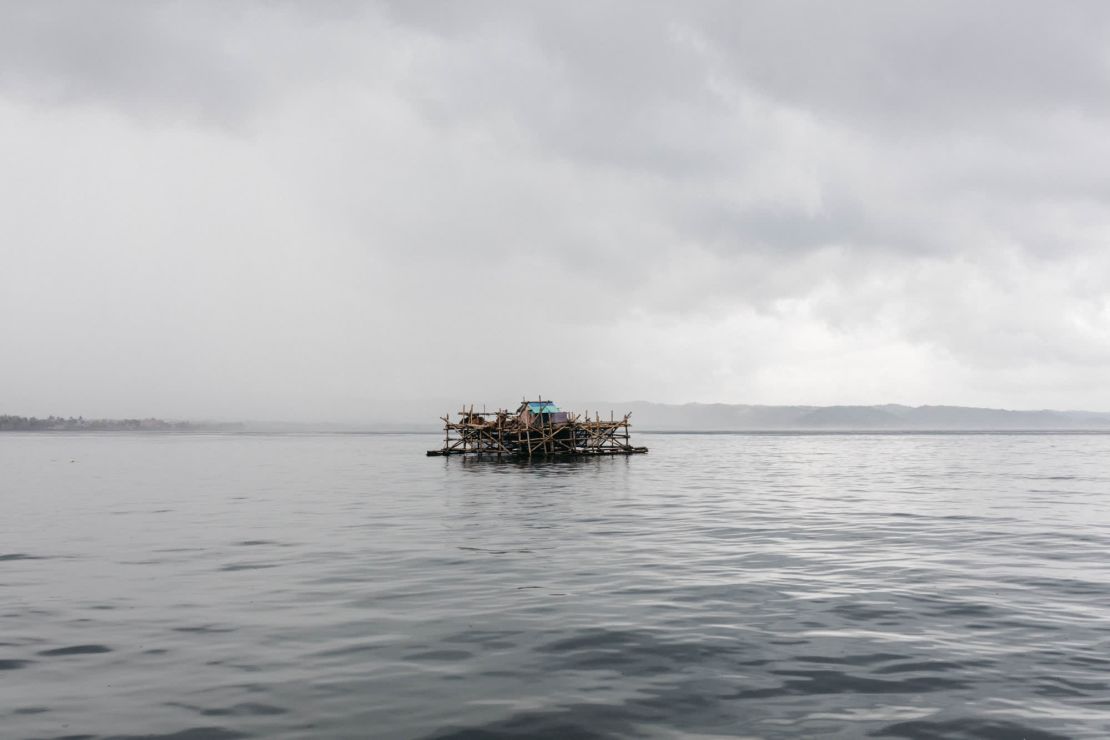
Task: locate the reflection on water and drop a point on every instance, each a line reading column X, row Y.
column 919, row 586
column 538, row 466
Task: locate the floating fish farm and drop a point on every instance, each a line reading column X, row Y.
column 535, row 429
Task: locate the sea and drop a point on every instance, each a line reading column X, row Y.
column 217, row 586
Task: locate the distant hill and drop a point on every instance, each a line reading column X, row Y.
column 725, row 417
column 722, row 417
column 405, row 416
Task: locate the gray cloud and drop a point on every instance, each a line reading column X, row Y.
column 292, row 209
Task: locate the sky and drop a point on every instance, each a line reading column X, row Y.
column 298, row 210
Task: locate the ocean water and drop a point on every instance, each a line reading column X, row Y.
column 774, row 586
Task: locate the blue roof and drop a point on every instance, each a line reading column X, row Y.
column 543, row 407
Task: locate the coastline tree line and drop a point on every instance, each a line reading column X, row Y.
column 10, row 423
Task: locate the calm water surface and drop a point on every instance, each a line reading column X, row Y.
column 224, row 586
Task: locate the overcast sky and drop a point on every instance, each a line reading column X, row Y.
column 292, row 210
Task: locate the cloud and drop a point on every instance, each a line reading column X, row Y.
column 286, row 209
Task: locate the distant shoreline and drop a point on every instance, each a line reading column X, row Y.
column 646, row 417
column 186, row 428
column 80, row 424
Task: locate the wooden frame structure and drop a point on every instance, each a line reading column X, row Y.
column 537, row 429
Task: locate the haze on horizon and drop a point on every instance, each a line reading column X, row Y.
column 298, row 210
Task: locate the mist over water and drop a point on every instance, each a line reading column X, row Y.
column 778, row 586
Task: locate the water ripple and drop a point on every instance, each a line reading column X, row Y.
column 834, row 586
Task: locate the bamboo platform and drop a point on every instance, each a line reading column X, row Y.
column 537, row 429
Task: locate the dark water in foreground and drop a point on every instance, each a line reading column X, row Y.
column 915, row 586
